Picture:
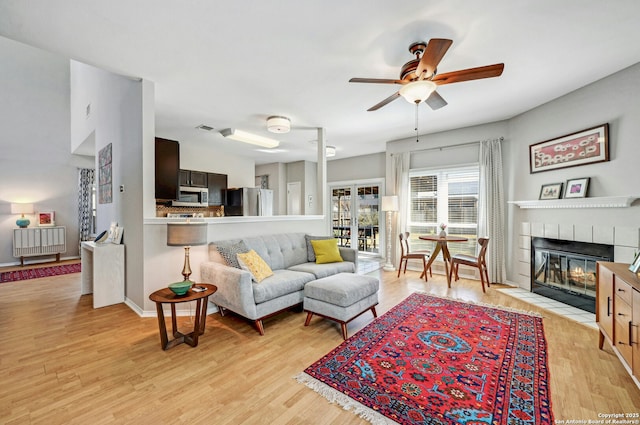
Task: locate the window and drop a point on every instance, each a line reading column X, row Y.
column 447, row 196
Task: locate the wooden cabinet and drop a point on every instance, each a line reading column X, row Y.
column 191, row 178
column 618, row 313
column 39, row 241
column 217, row 183
column 167, row 163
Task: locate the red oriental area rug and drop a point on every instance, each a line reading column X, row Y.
column 433, row 360
column 39, row 272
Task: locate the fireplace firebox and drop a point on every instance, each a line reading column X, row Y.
column 566, row 270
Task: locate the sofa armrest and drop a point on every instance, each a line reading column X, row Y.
column 349, row 254
column 235, row 290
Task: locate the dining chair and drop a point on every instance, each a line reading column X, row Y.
column 468, row 260
column 406, row 254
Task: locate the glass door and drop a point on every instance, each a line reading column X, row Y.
column 355, row 214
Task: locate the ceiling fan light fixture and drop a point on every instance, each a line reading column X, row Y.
column 254, row 139
column 417, row 91
column 278, row 124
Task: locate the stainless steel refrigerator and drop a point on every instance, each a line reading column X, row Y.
column 248, row 201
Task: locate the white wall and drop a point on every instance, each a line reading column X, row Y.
column 278, row 183
column 240, row 171
column 613, row 100
column 36, row 164
column 118, row 118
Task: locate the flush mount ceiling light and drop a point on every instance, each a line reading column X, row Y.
column 254, row 139
column 417, row 91
column 277, row 124
column 330, row 151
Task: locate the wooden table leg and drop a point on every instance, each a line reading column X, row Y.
column 432, row 258
column 164, row 340
column 446, row 256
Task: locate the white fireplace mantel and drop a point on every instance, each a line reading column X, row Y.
column 599, row 202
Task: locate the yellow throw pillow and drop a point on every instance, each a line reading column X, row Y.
column 326, row 251
column 254, row 264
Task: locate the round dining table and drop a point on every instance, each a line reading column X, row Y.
column 441, row 246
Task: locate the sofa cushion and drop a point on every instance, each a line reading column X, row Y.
column 324, row 270
column 282, row 282
column 311, row 254
column 254, row 264
column 281, row 250
column 229, row 251
column 326, row 251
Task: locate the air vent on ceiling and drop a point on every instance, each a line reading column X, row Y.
column 204, row 127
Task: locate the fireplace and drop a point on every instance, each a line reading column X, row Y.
column 566, row 270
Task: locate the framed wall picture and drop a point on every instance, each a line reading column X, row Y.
column 584, row 147
column 46, row 218
column 635, row 266
column 551, row 191
column 576, row 188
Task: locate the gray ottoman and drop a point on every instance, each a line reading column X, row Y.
column 341, row 297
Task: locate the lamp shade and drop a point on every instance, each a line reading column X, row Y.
column 389, row 203
column 417, row 91
column 22, row 209
column 186, row 234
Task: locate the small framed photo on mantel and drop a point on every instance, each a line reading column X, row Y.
column 551, row 191
column 576, row 188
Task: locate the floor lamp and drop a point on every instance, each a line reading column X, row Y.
column 390, row 205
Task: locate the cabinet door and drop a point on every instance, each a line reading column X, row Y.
column 604, row 301
column 198, row 179
column 167, row 162
column 185, row 178
column 217, row 183
column 635, row 333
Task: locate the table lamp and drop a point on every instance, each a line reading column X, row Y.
column 390, row 205
column 185, row 234
column 23, row 209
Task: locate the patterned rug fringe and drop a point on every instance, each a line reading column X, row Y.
column 347, row 403
column 481, row 304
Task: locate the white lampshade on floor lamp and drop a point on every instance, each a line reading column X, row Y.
column 390, row 205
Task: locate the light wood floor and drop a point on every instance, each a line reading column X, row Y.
column 62, row 362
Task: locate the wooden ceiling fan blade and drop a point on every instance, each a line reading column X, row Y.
column 488, row 71
column 385, row 102
column 435, row 101
column 432, row 55
column 376, row 81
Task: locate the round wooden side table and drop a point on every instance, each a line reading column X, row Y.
column 166, row 296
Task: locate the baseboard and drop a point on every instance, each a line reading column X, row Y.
column 46, row 260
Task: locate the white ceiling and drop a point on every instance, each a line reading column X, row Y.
column 234, row 63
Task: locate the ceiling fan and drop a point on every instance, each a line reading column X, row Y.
column 419, row 77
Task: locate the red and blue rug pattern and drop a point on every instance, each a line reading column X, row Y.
column 36, row 273
column 433, row 360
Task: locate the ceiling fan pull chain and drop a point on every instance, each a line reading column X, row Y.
column 417, row 137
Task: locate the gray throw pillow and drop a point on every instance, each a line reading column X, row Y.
column 311, row 254
column 229, row 252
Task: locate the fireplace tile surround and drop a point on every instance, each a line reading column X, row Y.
column 625, row 240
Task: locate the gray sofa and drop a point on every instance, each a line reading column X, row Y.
column 292, row 260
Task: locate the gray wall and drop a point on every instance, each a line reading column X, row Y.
column 36, row 164
column 356, row 168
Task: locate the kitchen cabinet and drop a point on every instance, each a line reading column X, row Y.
column 167, row 164
column 216, row 183
column 191, row 178
column 618, row 313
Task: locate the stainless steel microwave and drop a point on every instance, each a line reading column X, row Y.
column 192, row 197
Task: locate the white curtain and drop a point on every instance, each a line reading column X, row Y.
column 400, row 173
column 491, row 220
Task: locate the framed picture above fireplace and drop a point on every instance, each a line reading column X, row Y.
column 576, row 188
column 551, row 191
column 581, row 148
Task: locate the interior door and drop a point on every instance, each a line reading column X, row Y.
column 355, row 214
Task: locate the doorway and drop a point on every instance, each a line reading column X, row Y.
column 355, row 216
